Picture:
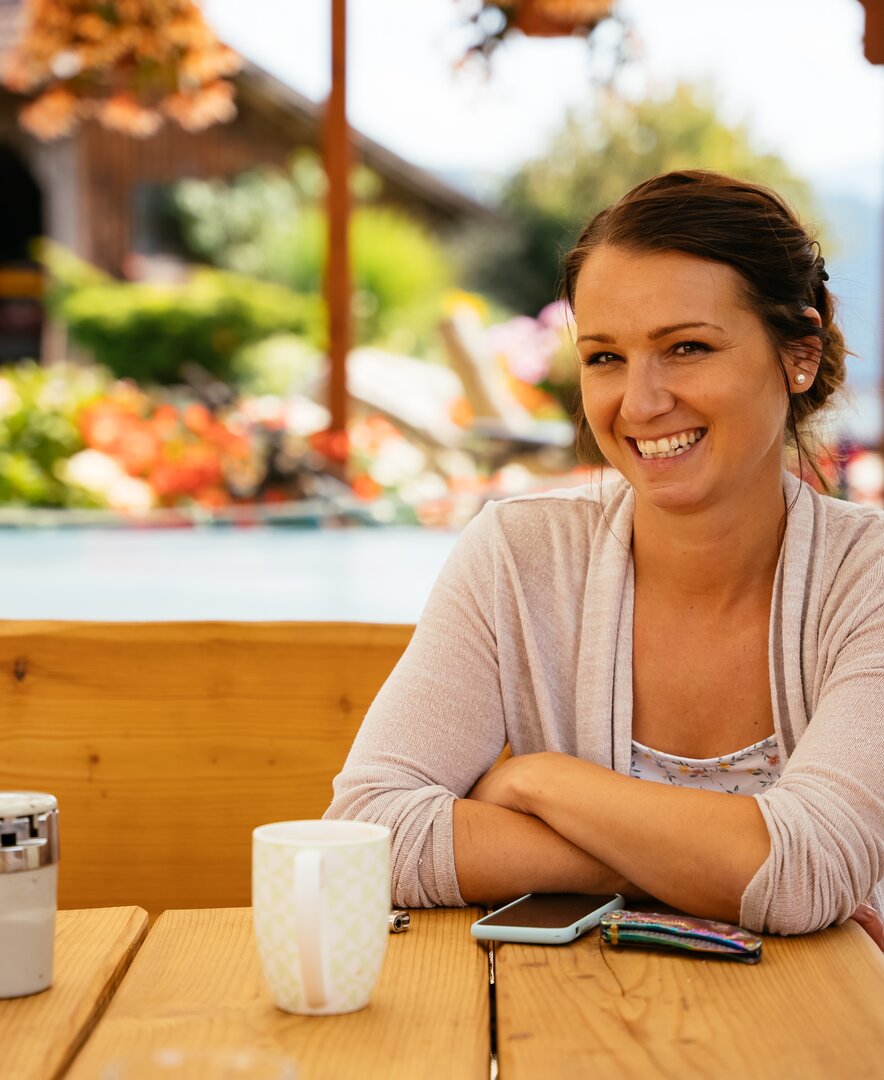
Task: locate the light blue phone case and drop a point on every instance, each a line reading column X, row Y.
column 542, row 935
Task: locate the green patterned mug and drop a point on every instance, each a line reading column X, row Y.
column 321, row 904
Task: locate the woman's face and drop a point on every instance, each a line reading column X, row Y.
column 680, row 384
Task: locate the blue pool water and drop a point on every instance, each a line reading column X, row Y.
column 374, row 575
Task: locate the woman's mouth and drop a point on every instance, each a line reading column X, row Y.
column 669, row 445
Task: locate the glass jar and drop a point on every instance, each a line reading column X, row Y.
column 28, row 890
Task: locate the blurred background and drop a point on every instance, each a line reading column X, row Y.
column 314, row 319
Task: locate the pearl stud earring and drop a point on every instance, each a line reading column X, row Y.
column 801, row 378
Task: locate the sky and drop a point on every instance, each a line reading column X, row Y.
column 794, row 70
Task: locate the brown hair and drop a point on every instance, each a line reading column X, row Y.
column 748, row 228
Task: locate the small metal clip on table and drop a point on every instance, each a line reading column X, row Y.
column 399, row 921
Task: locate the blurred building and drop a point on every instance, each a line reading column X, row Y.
column 100, row 193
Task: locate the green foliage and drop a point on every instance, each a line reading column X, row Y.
column 273, row 226
column 278, row 365
column 148, row 332
column 592, row 162
column 38, row 430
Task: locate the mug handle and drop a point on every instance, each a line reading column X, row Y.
column 307, row 895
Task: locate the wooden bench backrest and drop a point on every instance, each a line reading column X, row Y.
column 166, row 743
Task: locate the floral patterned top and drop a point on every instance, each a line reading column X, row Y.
column 745, row 772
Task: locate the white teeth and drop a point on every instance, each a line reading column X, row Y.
column 671, row 446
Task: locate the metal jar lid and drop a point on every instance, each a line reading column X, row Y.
column 28, row 831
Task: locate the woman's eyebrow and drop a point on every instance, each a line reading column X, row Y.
column 664, row 330
column 654, row 335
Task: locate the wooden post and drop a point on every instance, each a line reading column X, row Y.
column 337, row 162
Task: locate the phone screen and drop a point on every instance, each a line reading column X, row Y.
column 549, row 911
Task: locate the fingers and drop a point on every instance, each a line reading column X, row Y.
column 869, row 919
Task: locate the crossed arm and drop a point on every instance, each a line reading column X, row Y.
column 802, row 856
column 551, row 822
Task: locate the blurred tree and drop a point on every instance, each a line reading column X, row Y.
column 273, row 226
column 129, row 64
column 591, row 162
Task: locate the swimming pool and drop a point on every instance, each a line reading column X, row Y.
column 254, row 574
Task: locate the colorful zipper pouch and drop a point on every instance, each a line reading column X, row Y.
column 682, row 932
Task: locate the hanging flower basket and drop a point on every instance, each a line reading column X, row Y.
column 129, row 64
column 555, row 18
column 495, row 19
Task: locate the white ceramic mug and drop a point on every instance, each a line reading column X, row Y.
column 321, row 905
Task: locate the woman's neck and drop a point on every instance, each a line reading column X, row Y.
column 723, row 556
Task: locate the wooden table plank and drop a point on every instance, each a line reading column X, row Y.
column 40, row 1034
column 196, row 985
column 813, row 1007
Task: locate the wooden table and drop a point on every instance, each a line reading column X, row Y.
column 196, row 984
column 813, row 1008
column 40, row 1034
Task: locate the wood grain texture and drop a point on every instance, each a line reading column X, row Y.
column 813, row 1008
column 196, row 985
column 39, row 1035
column 167, row 743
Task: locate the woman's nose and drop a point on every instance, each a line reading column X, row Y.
column 646, row 394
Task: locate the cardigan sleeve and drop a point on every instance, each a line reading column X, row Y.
column 435, row 727
column 825, row 815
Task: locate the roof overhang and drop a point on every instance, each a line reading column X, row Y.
column 259, row 88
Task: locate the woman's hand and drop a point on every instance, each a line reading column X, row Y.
column 870, row 921
column 509, row 783
column 694, row 850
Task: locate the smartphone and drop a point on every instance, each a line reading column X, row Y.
column 546, row 918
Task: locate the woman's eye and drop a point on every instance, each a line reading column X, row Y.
column 690, row 348
column 600, row 359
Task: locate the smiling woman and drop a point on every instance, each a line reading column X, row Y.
column 727, row 246
column 707, row 627
column 715, row 400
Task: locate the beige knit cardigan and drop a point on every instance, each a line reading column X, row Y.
column 527, row 638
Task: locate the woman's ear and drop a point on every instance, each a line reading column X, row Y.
column 803, row 357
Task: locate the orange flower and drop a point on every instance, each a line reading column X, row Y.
column 334, row 445
column 104, row 425
column 275, row 495
column 91, row 27
column 125, row 114
column 164, row 479
column 165, row 421
column 200, row 109
column 53, row 115
column 139, row 450
column 140, row 49
column 461, row 412
column 364, row 487
column 198, row 419
column 213, row 497
column 531, row 397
